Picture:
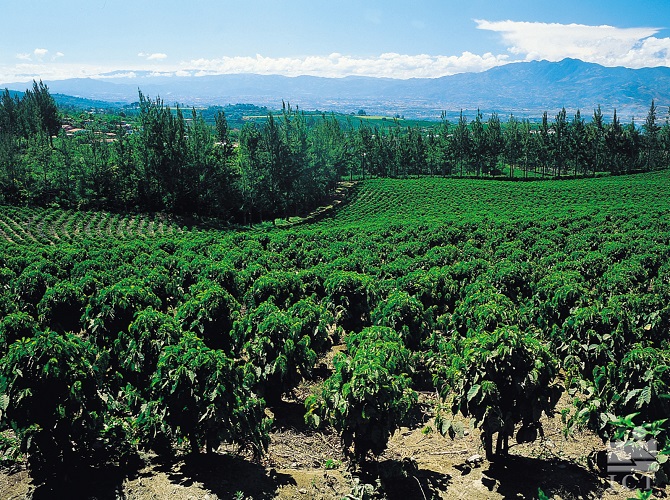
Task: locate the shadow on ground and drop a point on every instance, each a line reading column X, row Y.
column 101, row 483
column 290, row 415
column 515, row 477
column 226, row 475
column 403, row 480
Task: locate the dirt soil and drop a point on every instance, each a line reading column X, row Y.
column 419, row 463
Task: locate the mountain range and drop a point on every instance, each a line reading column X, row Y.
column 525, row 89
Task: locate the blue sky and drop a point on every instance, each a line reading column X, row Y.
column 422, row 38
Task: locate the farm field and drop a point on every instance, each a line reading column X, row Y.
column 143, row 332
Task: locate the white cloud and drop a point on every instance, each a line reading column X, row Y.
column 606, row 45
column 37, row 70
column 389, row 65
column 117, row 74
column 156, row 56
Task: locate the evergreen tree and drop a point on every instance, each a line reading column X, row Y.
column 560, row 142
column 462, row 143
column 596, row 133
column 479, row 143
column 577, row 143
column 613, row 142
column 651, row 138
column 513, row 143
column 495, row 144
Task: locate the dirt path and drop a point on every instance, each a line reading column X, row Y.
column 340, row 194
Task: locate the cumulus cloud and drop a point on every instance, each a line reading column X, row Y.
column 39, row 53
column 156, row 56
column 389, row 65
column 606, row 45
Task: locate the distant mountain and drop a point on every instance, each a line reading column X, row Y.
column 525, row 89
column 71, row 102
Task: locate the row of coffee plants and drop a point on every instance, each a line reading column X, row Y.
column 498, row 295
column 53, row 226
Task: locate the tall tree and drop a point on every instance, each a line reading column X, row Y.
column 632, row 145
column 597, row 139
column 513, row 144
column 560, row 141
column 651, row 138
column 544, row 146
column 577, row 143
column 613, row 143
column 462, row 143
column 495, row 143
column 479, row 143
column 528, row 146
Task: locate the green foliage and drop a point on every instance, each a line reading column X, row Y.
column 350, row 295
column 470, row 277
column 368, row 395
column 501, row 379
column 56, row 403
column 210, row 313
column 203, row 396
column 138, row 350
column 16, row 326
column 113, row 309
column 281, row 287
column 61, row 307
column 279, row 349
column 404, row 314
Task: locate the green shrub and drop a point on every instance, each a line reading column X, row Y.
column 404, row 314
column 201, row 395
column 112, row 310
column 368, row 396
column 61, row 307
column 501, row 379
column 350, row 295
column 16, row 326
column 54, row 400
column 210, row 313
column 279, row 348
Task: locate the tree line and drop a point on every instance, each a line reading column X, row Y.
column 517, row 148
column 173, row 160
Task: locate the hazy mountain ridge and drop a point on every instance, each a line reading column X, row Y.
column 525, row 89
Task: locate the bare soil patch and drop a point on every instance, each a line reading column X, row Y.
column 302, row 463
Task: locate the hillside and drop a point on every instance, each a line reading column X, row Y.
column 525, row 89
column 553, row 283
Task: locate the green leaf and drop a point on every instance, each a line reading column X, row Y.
column 645, row 397
column 474, row 390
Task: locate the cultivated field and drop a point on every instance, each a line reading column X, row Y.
column 574, row 272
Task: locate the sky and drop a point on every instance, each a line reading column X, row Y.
column 53, row 40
